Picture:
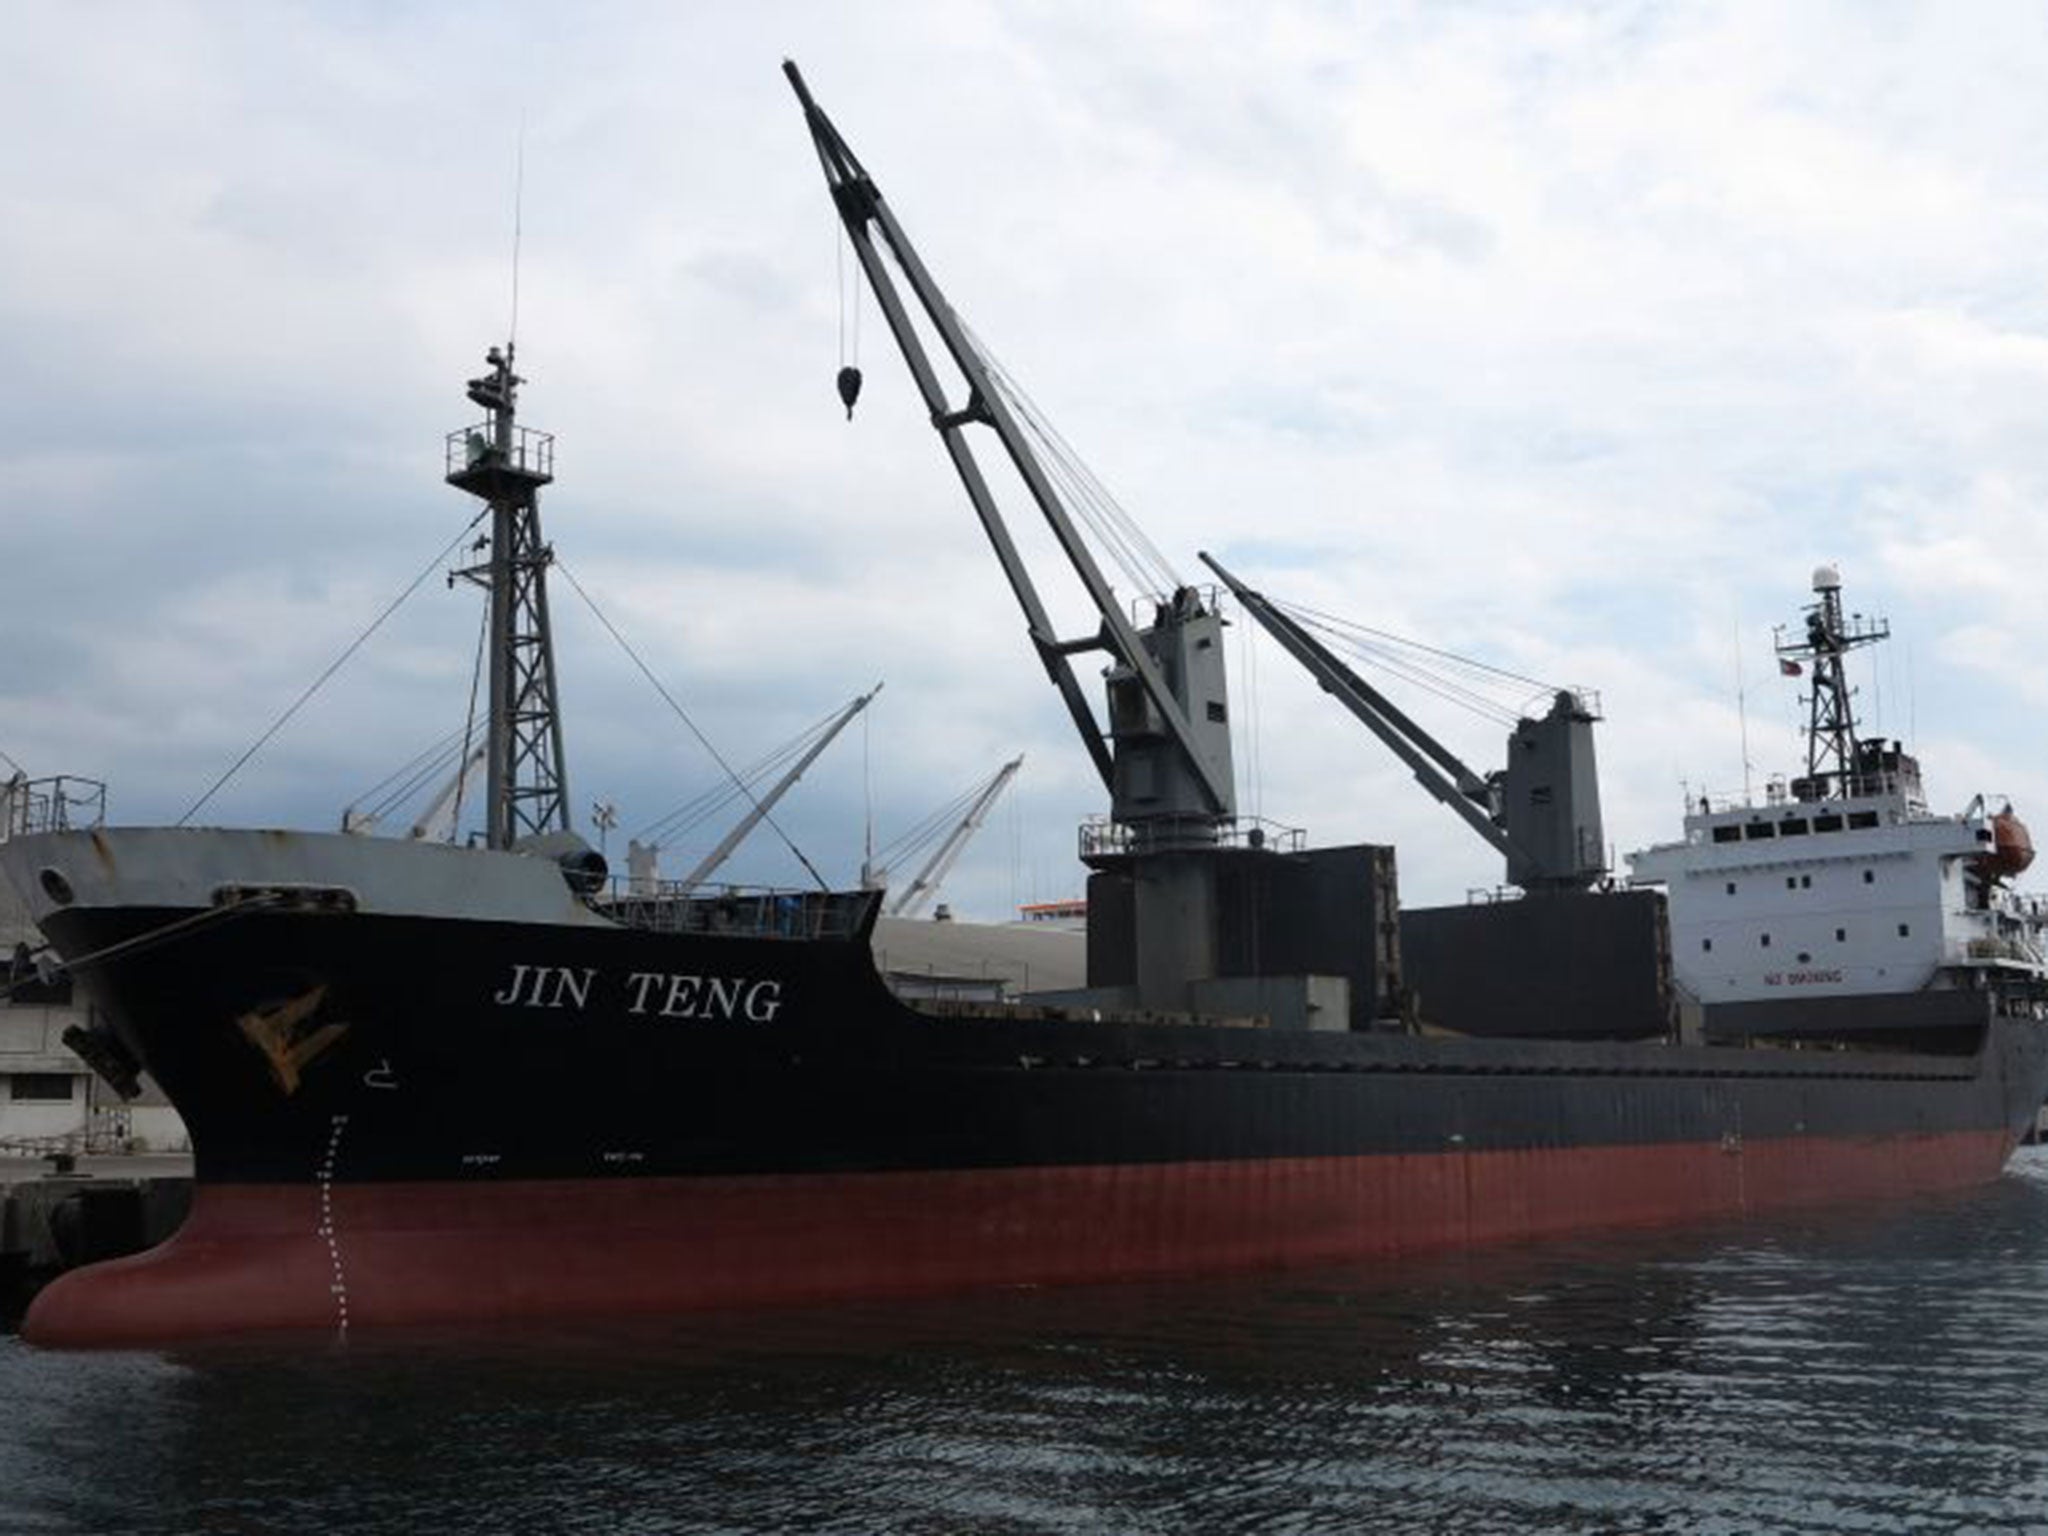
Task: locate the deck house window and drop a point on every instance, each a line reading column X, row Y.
column 40, row 1087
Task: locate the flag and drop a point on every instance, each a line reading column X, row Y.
column 1788, row 666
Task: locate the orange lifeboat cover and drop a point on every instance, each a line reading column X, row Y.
column 2012, row 849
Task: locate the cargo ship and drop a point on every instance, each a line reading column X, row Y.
column 437, row 1083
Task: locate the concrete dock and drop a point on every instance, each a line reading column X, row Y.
column 59, row 1213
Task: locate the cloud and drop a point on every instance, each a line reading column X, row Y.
column 1571, row 338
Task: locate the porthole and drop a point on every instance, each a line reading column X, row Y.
column 56, row 887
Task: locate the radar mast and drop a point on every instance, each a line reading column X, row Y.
column 498, row 461
column 1835, row 764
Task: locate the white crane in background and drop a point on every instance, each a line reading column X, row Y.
column 959, row 819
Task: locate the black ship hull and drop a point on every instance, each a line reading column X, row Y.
column 402, row 1118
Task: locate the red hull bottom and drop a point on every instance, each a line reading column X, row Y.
column 288, row 1256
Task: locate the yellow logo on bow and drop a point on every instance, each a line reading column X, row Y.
column 286, row 1038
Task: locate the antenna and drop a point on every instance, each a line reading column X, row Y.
column 1742, row 705
column 518, row 219
column 867, row 796
column 1912, row 699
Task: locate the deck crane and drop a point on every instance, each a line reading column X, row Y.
column 1165, row 753
column 924, row 885
column 709, row 864
column 1541, row 813
column 437, row 821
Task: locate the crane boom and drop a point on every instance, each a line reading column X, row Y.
column 766, row 803
column 429, row 819
column 865, row 216
column 1435, row 767
column 925, row 884
column 1541, row 812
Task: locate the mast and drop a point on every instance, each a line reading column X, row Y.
column 1832, row 750
column 526, row 789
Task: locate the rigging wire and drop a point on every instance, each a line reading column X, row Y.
column 1445, row 674
column 839, row 258
column 867, row 800
column 1122, row 537
column 333, row 667
column 405, row 781
column 702, row 806
column 1336, row 622
column 694, row 811
column 435, row 750
column 1435, row 684
column 476, row 677
column 1248, row 670
column 1129, row 547
column 683, row 715
column 924, row 833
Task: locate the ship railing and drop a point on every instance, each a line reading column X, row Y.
column 1979, row 950
column 532, row 452
column 61, row 804
column 1711, row 803
column 105, row 1137
column 741, row 912
column 1102, row 837
column 1489, row 895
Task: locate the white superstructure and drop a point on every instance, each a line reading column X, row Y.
column 1872, row 893
column 1843, row 882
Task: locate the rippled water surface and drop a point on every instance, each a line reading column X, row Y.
column 1878, row 1370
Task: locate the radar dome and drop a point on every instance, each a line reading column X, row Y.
column 1826, row 579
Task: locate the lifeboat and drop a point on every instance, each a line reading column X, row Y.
column 2012, row 849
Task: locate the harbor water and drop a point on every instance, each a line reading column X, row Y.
column 1883, row 1369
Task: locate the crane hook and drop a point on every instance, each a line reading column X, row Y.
column 849, row 389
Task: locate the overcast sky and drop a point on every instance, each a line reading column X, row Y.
column 1569, row 337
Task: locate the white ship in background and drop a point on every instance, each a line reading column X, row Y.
column 1842, row 894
